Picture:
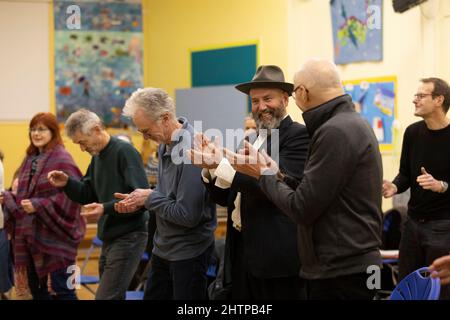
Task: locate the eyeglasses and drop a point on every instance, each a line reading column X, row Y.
column 294, row 92
column 420, row 96
column 38, row 130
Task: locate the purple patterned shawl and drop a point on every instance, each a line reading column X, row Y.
column 51, row 235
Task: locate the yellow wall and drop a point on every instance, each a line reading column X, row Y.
column 14, row 141
column 287, row 33
column 172, row 28
column 175, row 27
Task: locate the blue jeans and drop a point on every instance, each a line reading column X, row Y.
column 58, row 278
column 6, row 270
column 178, row 280
column 118, row 263
column 422, row 242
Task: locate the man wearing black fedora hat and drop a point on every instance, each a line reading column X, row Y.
column 261, row 258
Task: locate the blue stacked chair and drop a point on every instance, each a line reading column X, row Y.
column 418, row 285
column 86, row 280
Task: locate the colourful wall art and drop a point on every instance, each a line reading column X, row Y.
column 357, row 30
column 376, row 100
column 99, row 64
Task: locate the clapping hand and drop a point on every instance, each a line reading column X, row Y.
column 251, row 162
column 205, row 154
column 131, row 202
column 93, row 211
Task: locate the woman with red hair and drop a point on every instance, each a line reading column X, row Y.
column 45, row 226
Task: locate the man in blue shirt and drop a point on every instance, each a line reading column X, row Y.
column 185, row 215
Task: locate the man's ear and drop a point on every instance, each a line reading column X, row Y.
column 440, row 99
column 165, row 118
column 97, row 129
column 285, row 98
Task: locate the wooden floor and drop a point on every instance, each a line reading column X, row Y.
column 91, row 270
column 92, row 265
column 82, row 293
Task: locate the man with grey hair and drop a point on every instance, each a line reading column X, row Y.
column 185, row 215
column 337, row 203
column 116, row 166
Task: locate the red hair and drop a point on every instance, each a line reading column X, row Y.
column 49, row 120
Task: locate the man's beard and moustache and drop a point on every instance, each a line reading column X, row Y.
column 273, row 123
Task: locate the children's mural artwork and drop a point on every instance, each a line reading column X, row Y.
column 357, row 30
column 99, row 65
column 375, row 100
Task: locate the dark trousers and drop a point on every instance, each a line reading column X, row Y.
column 422, row 242
column 348, row 287
column 58, row 279
column 248, row 287
column 178, row 280
column 118, row 263
column 245, row 286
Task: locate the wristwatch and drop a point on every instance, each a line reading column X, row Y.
column 444, row 186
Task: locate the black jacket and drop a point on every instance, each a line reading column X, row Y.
column 268, row 237
column 337, row 204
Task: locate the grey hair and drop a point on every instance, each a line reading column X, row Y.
column 82, row 120
column 153, row 101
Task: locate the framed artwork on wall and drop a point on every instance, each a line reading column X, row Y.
column 376, row 100
column 357, row 30
column 98, row 63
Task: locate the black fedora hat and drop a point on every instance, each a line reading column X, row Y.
column 267, row 77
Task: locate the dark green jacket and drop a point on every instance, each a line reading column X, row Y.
column 118, row 168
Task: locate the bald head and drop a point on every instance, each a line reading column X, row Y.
column 321, row 74
column 321, row 79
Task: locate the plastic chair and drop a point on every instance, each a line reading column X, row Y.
column 145, row 257
column 134, row 295
column 138, row 292
column 392, row 222
column 212, row 271
column 390, row 260
column 418, row 285
column 86, row 280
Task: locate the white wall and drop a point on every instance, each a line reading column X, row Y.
column 24, row 59
column 444, row 40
